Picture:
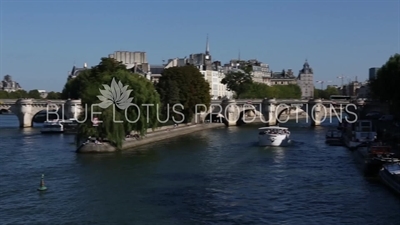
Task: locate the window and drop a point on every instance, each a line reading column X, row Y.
column 215, row 80
column 215, row 87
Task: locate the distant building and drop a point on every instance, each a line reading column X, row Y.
column 75, row 71
column 211, row 71
column 156, row 72
column 373, row 72
column 7, row 84
column 283, row 78
column 134, row 61
column 305, row 80
column 260, row 71
column 364, row 91
column 43, row 93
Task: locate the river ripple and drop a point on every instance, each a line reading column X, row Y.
column 217, row 176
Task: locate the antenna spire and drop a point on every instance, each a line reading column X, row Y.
column 207, row 46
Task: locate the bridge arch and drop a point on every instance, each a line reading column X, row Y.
column 214, row 118
column 3, row 111
column 288, row 109
column 248, row 115
column 43, row 115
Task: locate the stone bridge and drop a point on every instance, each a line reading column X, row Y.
column 233, row 112
column 26, row 109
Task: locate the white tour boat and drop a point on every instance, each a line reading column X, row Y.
column 359, row 133
column 53, row 126
column 390, row 175
column 273, row 136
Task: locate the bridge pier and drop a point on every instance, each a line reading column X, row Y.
column 72, row 108
column 316, row 111
column 230, row 111
column 23, row 110
column 269, row 108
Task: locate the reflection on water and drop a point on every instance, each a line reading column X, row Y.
column 279, row 155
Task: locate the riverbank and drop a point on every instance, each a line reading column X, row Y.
column 151, row 137
column 163, row 133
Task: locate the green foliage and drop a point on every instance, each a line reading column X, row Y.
column 184, row 85
column 53, row 95
column 20, row 94
column 385, row 86
column 239, row 81
column 76, row 88
column 34, row 94
column 259, row 90
column 87, row 87
column 325, row 94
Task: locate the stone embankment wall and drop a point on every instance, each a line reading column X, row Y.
column 162, row 133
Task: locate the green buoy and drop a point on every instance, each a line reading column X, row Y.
column 42, row 187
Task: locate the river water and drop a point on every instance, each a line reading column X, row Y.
column 216, row 176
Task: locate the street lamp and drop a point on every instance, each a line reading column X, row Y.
column 341, row 77
column 322, row 84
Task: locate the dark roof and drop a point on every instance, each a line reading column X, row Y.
column 75, row 71
column 280, row 75
column 156, row 69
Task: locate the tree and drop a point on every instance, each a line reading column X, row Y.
column 74, row 88
column 34, row 94
column 239, row 81
column 184, row 85
column 18, row 94
column 325, row 94
column 3, row 94
column 53, row 95
column 260, row 90
column 330, row 91
column 92, row 86
column 384, row 87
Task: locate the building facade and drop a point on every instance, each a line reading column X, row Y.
column 305, row 80
column 137, row 61
column 372, row 73
column 214, row 75
column 212, row 72
column 363, row 91
column 262, row 74
column 7, row 84
column 260, row 71
column 283, row 78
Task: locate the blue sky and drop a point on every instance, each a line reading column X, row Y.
column 41, row 40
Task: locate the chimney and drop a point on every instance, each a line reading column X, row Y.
column 356, row 78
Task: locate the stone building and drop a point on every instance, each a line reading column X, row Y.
column 211, row 71
column 283, row 78
column 261, row 72
column 305, row 80
column 7, row 84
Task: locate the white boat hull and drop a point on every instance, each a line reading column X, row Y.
column 390, row 180
column 273, row 140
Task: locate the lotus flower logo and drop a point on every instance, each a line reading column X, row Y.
column 117, row 94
